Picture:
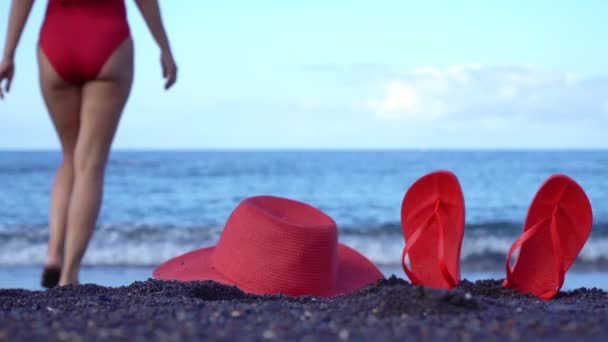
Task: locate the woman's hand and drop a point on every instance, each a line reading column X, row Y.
column 151, row 13
column 169, row 68
column 7, row 71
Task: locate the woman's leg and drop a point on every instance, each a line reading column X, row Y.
column 63, row 101
column 103, row 101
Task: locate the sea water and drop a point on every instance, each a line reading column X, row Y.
column 159, row 204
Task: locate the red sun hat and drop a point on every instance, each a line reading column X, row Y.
column 273, row 245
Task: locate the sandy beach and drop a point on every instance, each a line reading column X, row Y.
column 392, row 309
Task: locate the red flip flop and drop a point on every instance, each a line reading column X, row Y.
column 432, row 221
column 557, row 226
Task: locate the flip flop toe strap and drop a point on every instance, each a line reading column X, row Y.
column 441, row 252
column 413, row 238
column 442, row 265
column 525, row 236
column 558, row 254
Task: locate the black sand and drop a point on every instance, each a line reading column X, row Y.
column 389, row 310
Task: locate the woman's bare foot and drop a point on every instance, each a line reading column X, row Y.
column 50, row 276
column 69, row 276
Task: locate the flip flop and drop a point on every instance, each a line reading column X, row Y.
column 557, row 226
column 432, row 221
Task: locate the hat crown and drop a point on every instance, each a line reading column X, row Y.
column 277, row 245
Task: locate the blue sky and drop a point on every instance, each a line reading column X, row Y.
column 351, row 74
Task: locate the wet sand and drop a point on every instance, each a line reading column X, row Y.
column 389, row 310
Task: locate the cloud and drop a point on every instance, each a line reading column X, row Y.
column 496, row 94
column 400, row 97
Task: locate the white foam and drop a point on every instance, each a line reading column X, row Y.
column 150, row 246
column 387, row 250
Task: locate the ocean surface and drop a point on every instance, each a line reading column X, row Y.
column 158, row 205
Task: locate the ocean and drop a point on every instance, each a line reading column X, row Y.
column 159, row 204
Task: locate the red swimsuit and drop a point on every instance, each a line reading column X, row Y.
column 78, row 36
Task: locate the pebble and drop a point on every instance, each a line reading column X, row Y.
column 343, row 334
column 269, row 334
column 181, row 316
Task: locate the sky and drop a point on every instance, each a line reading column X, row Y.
column 349, row 74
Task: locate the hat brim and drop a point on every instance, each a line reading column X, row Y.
column 354, row 270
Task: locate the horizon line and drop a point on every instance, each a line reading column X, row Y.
column 335, row 149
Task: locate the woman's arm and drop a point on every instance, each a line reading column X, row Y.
column 20, row 11
column 151, row 13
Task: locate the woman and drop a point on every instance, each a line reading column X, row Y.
column 85, row 58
